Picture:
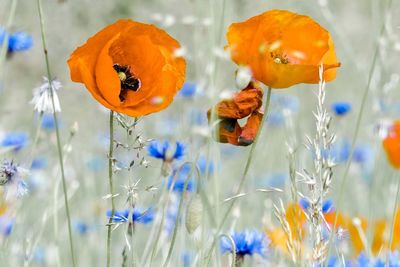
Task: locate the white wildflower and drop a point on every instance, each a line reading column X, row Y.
column 42, row 96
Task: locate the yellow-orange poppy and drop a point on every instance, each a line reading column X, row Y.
column 130, row 67
column 391, row 145
column 283, row 48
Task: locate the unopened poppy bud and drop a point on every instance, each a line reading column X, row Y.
column 194, row 213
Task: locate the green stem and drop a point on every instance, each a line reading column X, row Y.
column 397, row 177
column 178, row 215
column 111, row 185
column 59, row 147
column 244, row 176
column 166, row 202
column 36, row 139
column 356, row 132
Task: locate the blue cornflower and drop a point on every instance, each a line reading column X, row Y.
column 327, row 205
column 172, row 213
column 161, row 150
column 332, row 261
column 15, row 139
column 281, row 107
column 363, row 154
column 81, row 227
column 202, row 164
column 341, row 108
column 181, row 178
column 137, row 216
column 119, row 216
column 3, row 34
column 364, row 261
column 6, row 225
column 304, row 203
column 19, row 41
column 187, row 258
column 39, row 163
column 189, row 89
column 145, row 217
column 48, row 122
column 247, row 242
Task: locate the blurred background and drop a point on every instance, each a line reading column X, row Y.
column 39, row 235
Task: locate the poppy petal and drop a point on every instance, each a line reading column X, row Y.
column 250, row 130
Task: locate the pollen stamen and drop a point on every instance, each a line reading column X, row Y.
column 129, row 82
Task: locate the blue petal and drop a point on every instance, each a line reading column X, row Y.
column 16, row 139
column 19, row 41
column 154, row 151
column 327, row 206
column 179, row 151
column 189, row 89
column 145, row 217
column 341, row 108
column 304, row 203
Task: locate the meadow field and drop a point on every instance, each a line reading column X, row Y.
column 199, row 133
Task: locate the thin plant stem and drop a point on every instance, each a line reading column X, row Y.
column 178, row 215
column 167, row 194
column 36, row 139
column 4, row 45
column 396, row 205
column 356, row 131
column 59, row 147
column 111, row 186
column 244, row 176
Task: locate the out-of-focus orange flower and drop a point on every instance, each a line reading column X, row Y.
column 296, row 219
column 357, row 228
column 396, row 233
column 130, row 67
column 341, row 220
column 283, row 48
column 378, row 241
column 391, row 145
column 245, row 103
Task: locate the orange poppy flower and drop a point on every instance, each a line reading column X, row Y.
column 296, row 219
column 246, row 103
column 391, row 145
column 129, row 67
column 283, row 48
column 355, row 232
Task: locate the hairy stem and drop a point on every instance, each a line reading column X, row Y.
column 111, row 186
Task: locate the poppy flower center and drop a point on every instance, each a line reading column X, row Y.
column 279, row 59
column 129, row 82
